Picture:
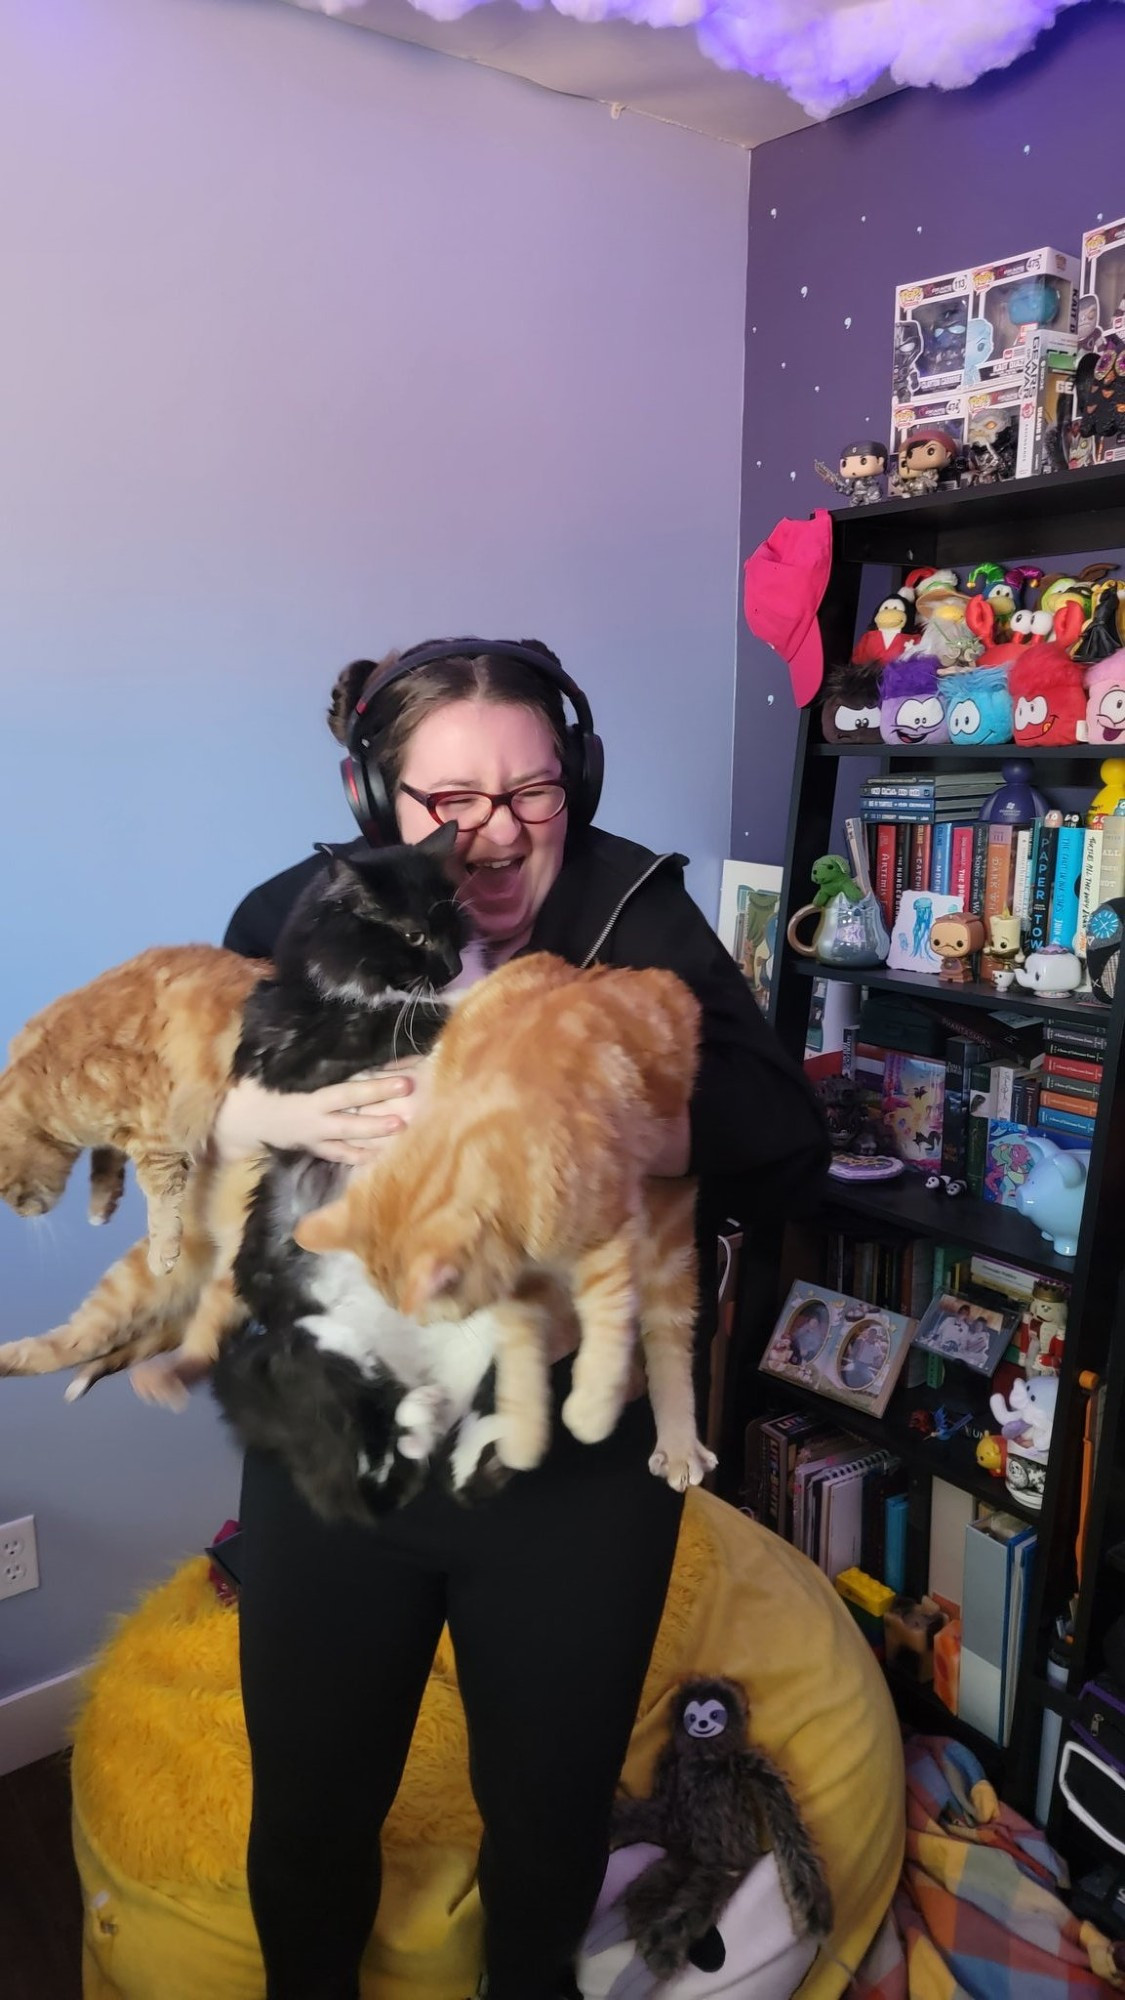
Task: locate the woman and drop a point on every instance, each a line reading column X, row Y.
column 553, row 1591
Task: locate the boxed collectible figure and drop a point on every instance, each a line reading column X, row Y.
column 992, row 427
column 1101, row 306
column 925, row 413
column 1047, row 406
column 1011, row 301
column 931, row 322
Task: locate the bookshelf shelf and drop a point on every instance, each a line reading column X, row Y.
column 952, row 1460
column 1028, row 520
column 972, row 1225
column 977, row 993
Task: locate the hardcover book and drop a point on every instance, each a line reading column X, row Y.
column 913, row 1106
column 838, row 1346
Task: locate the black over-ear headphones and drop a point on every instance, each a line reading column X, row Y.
column 364, row 782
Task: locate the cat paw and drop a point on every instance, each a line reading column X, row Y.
column 163, row 1253
column 522, row 1440
column 166, row 1379
column 682, row 1466
column 17, row 1358
column 589, row 1415
column 422, row 1418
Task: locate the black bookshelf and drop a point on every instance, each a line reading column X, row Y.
column 1033, row 518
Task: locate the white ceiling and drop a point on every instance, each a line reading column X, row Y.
column 658, row 72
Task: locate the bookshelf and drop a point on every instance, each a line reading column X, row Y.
column 1032, row 520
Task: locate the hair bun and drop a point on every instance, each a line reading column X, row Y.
column 346, row 690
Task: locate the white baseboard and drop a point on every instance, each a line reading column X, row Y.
column 36, row 1722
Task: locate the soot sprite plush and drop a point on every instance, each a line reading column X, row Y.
column 849, row 712
column 717, row 1805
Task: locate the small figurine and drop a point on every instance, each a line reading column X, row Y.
column 978, row 706
column 955, row 939
column 947, row 638
column 991, row 449
column 1044, row 1325
column 1027, row 1418
column 833, row 877
column 1105, row 700
column 1111, row 798
column 849, row 712
column 1049, row 699
column 1051, row 969
column 909, row 1630
column 907, row 353
column 886, row 636
column 1053, row 1194
column 862, row 472
column 991, row 1454
column 1102, row 636
column 1006, row 947
column 1034, row 301
column 910, row 709
column 926, row 459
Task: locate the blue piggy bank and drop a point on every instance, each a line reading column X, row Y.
column 1053, row 1193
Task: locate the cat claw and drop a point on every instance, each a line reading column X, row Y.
column 683, row 1468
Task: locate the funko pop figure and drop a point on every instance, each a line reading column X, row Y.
column 925, row 458
column 861, row 472
column 954, row 939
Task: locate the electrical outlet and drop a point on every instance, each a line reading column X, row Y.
column 19, row 1558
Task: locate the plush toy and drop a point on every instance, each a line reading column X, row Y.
column 1027, row 1417
column 1101, row 638
column 978, row 706
column 1001, row 589
column 1063, row 623
column 999, row 646
column 932, row 587
column 1049, row 699
column 717, row 1804
column 947, row 638
column 1105, row 699
column 1111, row 798
column 849, row 712
column 833, row 877
column 886, row 636
column 910, row 709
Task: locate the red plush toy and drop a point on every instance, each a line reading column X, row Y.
column 1048, row 696
column 981, row 619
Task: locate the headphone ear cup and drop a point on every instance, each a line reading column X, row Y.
column 592, row 774
column 367, row 796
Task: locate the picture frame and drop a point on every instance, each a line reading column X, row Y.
column 841, row 1347
column 749, row 912
column 958, row 1329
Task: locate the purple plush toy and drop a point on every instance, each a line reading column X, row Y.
column 910, row 709
column 1105, row 700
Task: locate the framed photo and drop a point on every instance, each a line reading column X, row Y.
column 960, row 1330
column 749, row 906
column 839, row 1346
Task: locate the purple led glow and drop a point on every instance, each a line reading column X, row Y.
column 823, row 52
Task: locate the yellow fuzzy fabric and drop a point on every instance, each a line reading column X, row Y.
column 162, row 1777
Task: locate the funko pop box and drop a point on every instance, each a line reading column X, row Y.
column 943, row 413
column 1047, row 401
column 1012, row 301
column 1101, row 307
column 931, row 326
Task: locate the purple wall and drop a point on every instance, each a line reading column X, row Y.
column 914, row 185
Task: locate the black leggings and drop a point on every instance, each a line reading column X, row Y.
column 553, row 1592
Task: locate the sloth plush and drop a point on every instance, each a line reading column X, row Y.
column 717, row 1805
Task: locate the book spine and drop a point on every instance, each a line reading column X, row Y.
column 976, row 1135
column 919, row 874
column 1088, row 890
column 1111, row 876
column 885, row 873
column 897, row 788
column 1000, row 1095
column 1060, row 1100
column 1024, row 913
column 902, row 862
column 939, row 865
column 961, row 866
column 980, row 866
column 1041, row 887
column 960, row 1057
column 1025, row 1098
column 857, row 850
column 1020, row 874
column 1065, row 1121
column 1066, row 887
column 997, row 884
column 1087, row 1044
column 1086, row 1074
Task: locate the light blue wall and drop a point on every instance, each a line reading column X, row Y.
column 311, row 344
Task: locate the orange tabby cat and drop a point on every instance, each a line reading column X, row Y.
column 134, row 1065
column 550, row 1094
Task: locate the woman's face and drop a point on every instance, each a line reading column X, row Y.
column 489, row 746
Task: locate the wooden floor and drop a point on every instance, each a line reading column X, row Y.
column 40, row 1901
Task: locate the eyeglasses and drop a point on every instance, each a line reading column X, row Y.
column 532, row 805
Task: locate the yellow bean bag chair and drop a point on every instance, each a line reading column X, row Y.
column 161, row 1777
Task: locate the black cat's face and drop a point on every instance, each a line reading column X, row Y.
column 387, row 921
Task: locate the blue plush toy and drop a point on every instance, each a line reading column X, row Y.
column 978, row 706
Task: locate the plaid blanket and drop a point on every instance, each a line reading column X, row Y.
column 976, row 1915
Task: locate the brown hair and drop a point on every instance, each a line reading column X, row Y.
column 397, row 712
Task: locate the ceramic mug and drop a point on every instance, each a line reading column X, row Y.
column 847, row 933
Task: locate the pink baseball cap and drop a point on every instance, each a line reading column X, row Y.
column 784, row 582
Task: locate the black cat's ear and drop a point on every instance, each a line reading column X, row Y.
column 336, row 860
column 346, row 690
column 441, row 842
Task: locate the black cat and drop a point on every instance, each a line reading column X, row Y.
column 353, row 1398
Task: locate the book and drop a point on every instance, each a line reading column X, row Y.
column 918, row 873
column 838, row 1346
column 902, row 864
column 980, row 865
column 981, row 1109
column 893, row 1568
column 1079, row 1078
column 1055, row 1122
column 913, row 1106
column 1111, row 874
column 998, row 877
column 959, row 1329
column 1087, row 1044
column 1058, row 1100
column 1021, row 882
column 884, row 873
column 961, row 865
column 940, row 861
column 1065, row 888
column 1025, row 1097
column 991, row 1619
column 1088, row 896
column 1039, row 917
column 780, row 1440
column 960, row 1058
column 950, row 1514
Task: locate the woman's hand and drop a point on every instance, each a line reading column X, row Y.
column 345, row 1122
